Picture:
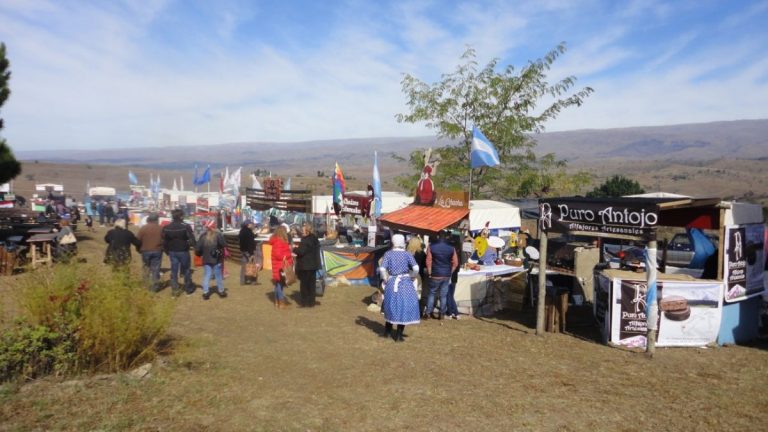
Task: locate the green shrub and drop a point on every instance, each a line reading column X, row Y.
column 28, row 351
column 79, row 317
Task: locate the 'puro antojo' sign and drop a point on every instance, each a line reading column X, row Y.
column 602, row 218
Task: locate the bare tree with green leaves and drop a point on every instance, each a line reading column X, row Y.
column 504, row 105
column 9, row 166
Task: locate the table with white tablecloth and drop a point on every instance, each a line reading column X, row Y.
column 472, row 286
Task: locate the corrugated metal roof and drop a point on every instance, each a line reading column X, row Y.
column 423, row 219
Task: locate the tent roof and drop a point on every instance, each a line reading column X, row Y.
column 498, row 215
column 423, row 219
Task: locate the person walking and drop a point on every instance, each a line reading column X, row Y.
column 66, row 242
column 109, row 214
column 281, row 256
column 307, row 264
column 416, row 248
column 401, row 303
column 151, row 237
column 178, row 238
column 248, row 252
column 210, row 247
column 119, row 240
column 441, row 262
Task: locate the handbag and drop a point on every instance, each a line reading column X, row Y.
column 288, row 273
column 68, row 238
column 252, row 268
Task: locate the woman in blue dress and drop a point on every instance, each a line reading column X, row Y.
column 401, row 303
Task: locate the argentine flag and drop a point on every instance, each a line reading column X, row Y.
column 132, row 178
column 482, row 153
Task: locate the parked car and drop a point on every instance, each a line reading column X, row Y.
column 680, row 249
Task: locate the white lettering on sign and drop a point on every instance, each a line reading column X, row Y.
column 575, row 214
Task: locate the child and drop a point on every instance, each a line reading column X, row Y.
column 89, row 222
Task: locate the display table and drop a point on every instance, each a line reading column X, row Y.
column 690, row 309
column 472, row 287
column 41, row 244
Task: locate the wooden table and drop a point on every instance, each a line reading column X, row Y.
column 43, row 241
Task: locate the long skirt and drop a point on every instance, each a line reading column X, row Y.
column 401, row 307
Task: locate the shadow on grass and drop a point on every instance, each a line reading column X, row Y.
column 374, row 326
column 579, row 322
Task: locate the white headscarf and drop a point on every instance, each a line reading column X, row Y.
column 398, row 241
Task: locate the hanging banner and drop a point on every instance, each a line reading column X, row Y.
column 452, row 199
column 689, row 312
column 744, row 261
column 614, row 217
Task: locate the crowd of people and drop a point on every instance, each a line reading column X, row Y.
column 403, row 269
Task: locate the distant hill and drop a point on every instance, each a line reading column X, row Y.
column 744, row 139
column 724, row 159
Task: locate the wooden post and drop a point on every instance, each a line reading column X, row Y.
column 542, row 283
column 651, row 304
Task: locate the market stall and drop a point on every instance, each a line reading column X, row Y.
column 647, row 306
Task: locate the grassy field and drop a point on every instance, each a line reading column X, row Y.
column 239, row 364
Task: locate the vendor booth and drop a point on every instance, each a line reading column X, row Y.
column 637, row 298
column 481, row 289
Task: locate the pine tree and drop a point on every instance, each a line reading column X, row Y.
column 9, row 166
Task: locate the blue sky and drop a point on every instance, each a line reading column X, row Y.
column 96, row 74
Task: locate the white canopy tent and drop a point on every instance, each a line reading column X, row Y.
column 497, row 214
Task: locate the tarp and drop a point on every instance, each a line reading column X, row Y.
column 357, row 265
column 498, row 214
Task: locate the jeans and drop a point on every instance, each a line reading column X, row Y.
column 279, row 295
column 434, row 285
column 152, row 260
column 207, row 277
column 453, row 308
column 181, row 261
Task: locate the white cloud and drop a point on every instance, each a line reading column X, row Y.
column 111, row 74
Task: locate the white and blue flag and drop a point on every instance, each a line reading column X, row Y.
column 376, row 186
column 482, row 153
column 132, row 178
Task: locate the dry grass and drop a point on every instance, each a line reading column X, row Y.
column 239, row 364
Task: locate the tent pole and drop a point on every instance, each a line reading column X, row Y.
column 542, row 283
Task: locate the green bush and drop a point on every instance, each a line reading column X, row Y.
column 79, row 317
column 28, row 351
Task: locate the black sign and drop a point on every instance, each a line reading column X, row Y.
column 621, row 217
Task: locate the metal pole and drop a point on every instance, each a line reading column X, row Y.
column 542, row 283
column 651, row 305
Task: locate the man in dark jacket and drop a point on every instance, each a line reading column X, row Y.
column 441, row 262
column 307, row 264
column 119, row 241
column 177, row 239
column 249, row 250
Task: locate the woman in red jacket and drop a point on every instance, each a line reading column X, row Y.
column 281, row 250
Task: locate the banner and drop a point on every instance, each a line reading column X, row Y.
column 614, row 217
column 689, row 312
column 744, row 261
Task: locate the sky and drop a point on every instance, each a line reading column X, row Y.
column 117, row 74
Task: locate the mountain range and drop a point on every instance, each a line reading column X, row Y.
column 742, row 139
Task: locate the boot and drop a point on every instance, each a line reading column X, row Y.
column 398, row 337
column 387, row 330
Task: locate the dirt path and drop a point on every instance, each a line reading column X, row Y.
column 239, row 364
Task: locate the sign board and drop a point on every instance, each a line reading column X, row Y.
column 452, row 199
column 287, row 200
column 356, row 205
column 744, row 261
column 617, row 217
